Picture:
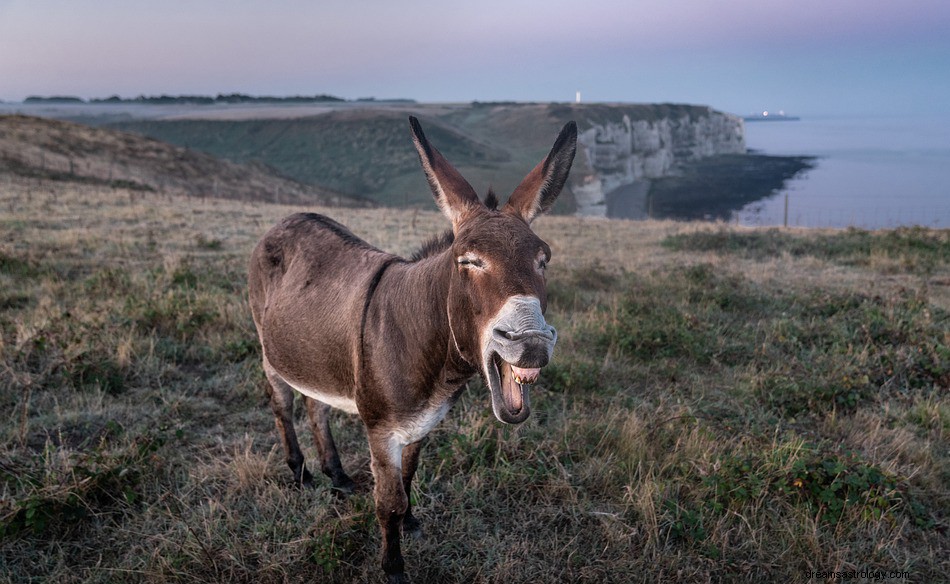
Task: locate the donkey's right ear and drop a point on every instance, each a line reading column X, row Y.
column 452, row 193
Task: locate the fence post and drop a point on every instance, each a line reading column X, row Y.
column 785, row 221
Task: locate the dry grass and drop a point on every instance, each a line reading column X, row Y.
column 711, row 414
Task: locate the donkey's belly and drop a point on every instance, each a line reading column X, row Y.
column 337, row 401
column 311, row 334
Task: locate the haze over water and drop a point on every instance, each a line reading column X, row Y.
column 872, row 171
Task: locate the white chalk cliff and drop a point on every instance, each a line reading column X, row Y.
column 618, row 159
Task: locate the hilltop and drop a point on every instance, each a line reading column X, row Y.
column 57, row 150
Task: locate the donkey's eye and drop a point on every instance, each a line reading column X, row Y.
column 470, row 261
column 542, row 262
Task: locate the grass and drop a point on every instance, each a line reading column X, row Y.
column 48, row 150
column 906, row 249
column 724, row 404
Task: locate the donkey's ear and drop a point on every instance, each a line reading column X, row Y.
column 452, row 193
column 540, row 188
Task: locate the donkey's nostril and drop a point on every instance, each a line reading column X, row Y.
column 544, row 335
column 519, row 335
column 502, row 334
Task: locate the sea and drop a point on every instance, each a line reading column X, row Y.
column 870, row 172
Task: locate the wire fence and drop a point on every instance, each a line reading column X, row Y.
column 788, row 212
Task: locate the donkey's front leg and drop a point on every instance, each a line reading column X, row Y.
column 410, row 460
column 391, row 500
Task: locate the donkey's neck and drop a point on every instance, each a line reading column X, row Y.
column 418, row 291
column 409, row 313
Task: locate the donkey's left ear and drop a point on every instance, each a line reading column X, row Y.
column 540, row 188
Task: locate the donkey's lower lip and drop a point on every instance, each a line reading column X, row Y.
column 509, row 389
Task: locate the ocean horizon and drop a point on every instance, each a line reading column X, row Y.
column 870, row 172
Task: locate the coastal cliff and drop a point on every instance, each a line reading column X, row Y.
column 617, row 160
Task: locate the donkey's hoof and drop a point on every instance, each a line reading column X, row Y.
column 341, row 493
column 397, row 579
column 343, row 486
column 412, row 527
column 303, row 480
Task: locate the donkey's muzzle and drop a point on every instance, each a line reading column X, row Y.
column 519, row 345
column 527, row 349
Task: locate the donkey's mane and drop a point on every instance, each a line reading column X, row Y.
column 434, row 245
column 491, row 199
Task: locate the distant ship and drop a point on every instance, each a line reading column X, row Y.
column 768, row 116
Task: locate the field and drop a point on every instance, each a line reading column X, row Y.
column 724, row 404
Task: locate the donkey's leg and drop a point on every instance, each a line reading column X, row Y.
column 391, row 500
column 319, row 414
column 410, row 460
column 282, row 403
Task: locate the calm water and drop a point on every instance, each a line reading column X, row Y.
column 871, row 172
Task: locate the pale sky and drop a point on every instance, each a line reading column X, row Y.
column 805, row 56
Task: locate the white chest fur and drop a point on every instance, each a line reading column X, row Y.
column 415, row 429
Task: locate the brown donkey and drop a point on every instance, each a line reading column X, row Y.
column 393, row 340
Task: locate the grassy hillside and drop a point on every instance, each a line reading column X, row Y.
column 724, row 404
column 56, row 150
column 358, row 152
column 367, row 151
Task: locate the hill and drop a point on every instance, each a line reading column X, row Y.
column 365, row 150
column 358, row 151
column 65, row 151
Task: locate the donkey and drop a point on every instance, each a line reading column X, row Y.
column 393, row 340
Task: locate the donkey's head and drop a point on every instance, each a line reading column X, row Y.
column 498, row 293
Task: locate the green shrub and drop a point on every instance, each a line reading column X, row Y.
column 49, row 498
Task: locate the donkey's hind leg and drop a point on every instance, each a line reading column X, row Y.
column 282, row 403
column 319, row 414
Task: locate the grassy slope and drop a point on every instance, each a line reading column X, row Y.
column 358, row 152
column 724, row 404
column 57, row 150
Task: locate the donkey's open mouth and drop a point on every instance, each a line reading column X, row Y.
column 510, row 387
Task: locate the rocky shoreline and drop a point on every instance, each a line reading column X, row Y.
column 712, row 188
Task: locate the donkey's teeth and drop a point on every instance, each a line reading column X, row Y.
column 525, row 376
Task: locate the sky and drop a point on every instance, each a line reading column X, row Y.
column 807, row 57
